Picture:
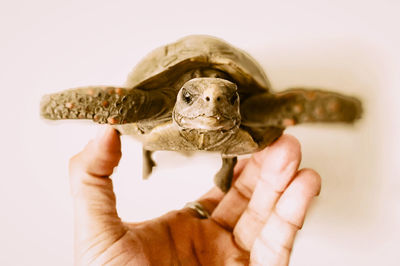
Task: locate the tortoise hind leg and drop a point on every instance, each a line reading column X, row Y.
column 223, row 178
column 148, row 163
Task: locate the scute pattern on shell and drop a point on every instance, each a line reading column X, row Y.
column 195, row 51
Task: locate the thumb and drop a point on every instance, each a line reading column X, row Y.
column 94, row 200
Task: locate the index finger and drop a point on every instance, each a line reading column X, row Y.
column 279, row 161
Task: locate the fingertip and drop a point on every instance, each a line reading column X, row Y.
column 279, row 162
column 289, row 143
column 102, row 132
column 108, row 138
column 296, row 199
column 286, row 145
column 100, row 155
column 312, row 181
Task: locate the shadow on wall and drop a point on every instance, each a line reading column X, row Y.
column 346, row 156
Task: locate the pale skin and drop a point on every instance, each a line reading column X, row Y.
column 254, row 223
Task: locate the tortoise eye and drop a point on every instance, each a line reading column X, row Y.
column 233, row 99
column 187, row 97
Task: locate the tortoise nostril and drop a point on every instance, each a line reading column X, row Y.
column 207, row 99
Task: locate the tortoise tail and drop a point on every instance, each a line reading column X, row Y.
column 302, row 106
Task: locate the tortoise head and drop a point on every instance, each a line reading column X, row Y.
column 207, row 104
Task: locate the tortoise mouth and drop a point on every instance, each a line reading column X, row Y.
column 204, row 122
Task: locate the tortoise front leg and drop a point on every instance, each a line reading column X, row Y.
column 299, row 106
column 148, row 163
column 105, row 104
column 223, row 178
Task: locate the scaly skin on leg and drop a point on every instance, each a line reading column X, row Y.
column 148, row 163
column 105, row 104
column 299, row 106
column 223, row 178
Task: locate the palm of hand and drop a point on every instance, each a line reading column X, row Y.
column 254, row 223
column 179, row 238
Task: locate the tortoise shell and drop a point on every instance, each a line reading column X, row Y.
column 169, row 62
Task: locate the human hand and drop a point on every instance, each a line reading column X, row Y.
column 255, row 222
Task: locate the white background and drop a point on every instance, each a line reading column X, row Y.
column 346, row 46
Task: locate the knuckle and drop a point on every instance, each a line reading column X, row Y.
column 240, row 239
column 243, row 189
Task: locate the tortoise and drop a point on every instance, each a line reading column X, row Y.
column 200, row 93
